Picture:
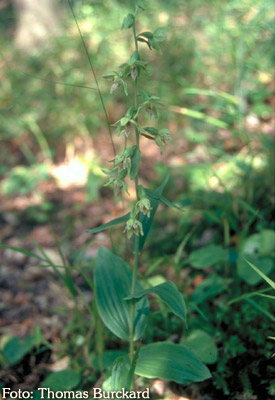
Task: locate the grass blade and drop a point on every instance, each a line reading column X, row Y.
column 259, row 272
column 22, row 251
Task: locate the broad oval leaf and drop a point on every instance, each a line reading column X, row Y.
column 119, row 375
column 113, row 283
column 62, row 380
column 169, row 294
column 16, row 348
column 202, row 344
column 251, row 252
column 207, row 256
column 250, row 276
column 267, row 242
column 171, row 362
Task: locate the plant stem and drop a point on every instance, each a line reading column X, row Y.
column 132, row 309
column 136, row 249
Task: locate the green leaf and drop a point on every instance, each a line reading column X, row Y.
column 15, row 349
column 124, row 121
column 110, row 74
column 170, row 203
column 251, row 246
column 61, row 380
column 135, row 163
column 120, row 373
column 202, row 344
column 113, row 283
column 250, row 276
column 108, row 358
column 110, row 224
column 259, row 272
column 140, row 4
column 147, row 35
column 134, row 58
column 159, row 35
column 199, row 115
column 125, row 87
column 169, row 294
column 253, row 250
column 154, row 198
column 210, row 287
column 248, row 295
column 267, row 296
column 226, row 96
column 207, row 256
column 140, row 39
column 194, row 307
column 262, row 310
column 152, row 130
column 128, row 21
column 155, row 45
column 158, row 142
column 171, row 362
column 267, row 242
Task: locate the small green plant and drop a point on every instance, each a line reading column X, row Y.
column 13, row 349
column 121, row 300
column 23, row 180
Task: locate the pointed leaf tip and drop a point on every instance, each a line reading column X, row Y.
column 169, row 294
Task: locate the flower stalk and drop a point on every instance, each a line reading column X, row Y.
column 136, row 249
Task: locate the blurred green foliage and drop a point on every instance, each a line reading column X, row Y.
column 22, row 180
column 217, row 69
column 211, row 45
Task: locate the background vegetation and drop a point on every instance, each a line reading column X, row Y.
column 216, row 77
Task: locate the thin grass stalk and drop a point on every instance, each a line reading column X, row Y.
column 94, row 75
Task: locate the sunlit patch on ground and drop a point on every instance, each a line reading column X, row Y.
column 71, row 173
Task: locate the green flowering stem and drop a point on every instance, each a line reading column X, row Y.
column 136, row 249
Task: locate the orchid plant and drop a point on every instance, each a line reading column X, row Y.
column 121, row 300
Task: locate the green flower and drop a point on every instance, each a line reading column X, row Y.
column 143, row 206
column 118, row 182
column 133, row 226
column 122, row 161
